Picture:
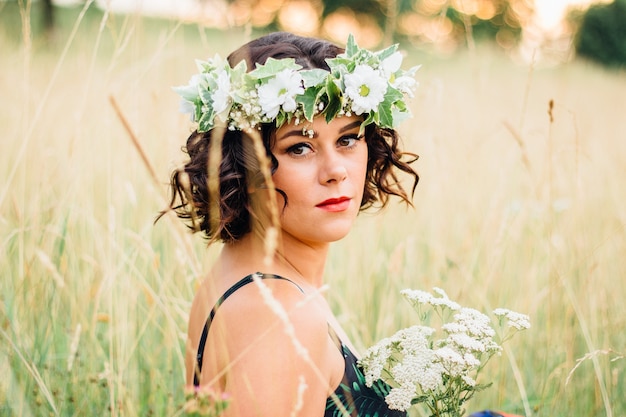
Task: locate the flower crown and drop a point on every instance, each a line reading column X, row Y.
column 359, row 82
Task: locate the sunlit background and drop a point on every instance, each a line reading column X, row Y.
column 545, row 34
column 520, row 203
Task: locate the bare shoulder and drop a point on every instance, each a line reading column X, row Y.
column 275, row 307
column 270, row 342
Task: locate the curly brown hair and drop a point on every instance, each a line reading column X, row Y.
column 239, row 170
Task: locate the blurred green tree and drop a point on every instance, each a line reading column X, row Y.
column 601, row 35
column 469, row 19
column 47, row 17
column 491, row 18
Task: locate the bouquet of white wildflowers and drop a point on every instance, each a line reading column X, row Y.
column 439, row 367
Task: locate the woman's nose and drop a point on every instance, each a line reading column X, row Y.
column 333, row 168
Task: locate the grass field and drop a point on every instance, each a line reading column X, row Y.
column 517, row 207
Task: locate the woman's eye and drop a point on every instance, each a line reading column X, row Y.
column 300, row 149
column 348, row 141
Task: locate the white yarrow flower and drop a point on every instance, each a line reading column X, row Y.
column 478, row 324
column 280, row 91
column 400, row 398
column 451, row 360
column 421, row 366
column 420, row 371
column 417, row 296
column 366, row 88
column 517, row 320
column 423, row 297
column 376, row 357
column 468, row 380
column 466, row 342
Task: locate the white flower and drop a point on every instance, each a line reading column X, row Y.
column 471, row 360
column 417, row 367
column 454, row 328
column 366, row 88
column 423, row 297
column 400, row 398
column 391, row 64
column 466, row 342
column 420, row 366
column 417, row 296
column 280, row 91
column 451, row 360
column 477, row 324
column 187, row 107
column 517, row 320
column 413, row 340
column 375, row 360
column 405, row 84
column 221, row 97
column 468, row 380
column 420, row 370
column 189, row 94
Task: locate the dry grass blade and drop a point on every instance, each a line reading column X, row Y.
column 271, row 233
column 520, row 142
column 195, row 263
column 592, row 355
column 213, row 166
column 290, row 331
column 34, row 373
column 134, row 139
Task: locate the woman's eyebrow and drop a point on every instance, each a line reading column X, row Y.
column 295, row 132
column 298, row 132
column 350, row 126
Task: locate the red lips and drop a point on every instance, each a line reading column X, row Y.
column 335, row 204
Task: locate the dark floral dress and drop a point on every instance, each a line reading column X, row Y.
column 356, row 398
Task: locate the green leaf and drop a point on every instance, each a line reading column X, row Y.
column 198, row 106
column 205, row 95
column 334, row 100
column 339, row 65
column 369, row 120
column 387, row 52
column 309, row 100
column 280, row 118
column 206, row 121
column 314, row 77
column 385, row 112
column 351, row 47
column 400, row 116
column 272, row 67
column 385, row 116
column 392, row 95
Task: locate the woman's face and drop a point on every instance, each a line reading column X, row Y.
column 323, row 177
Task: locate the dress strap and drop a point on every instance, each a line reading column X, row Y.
column 205, row 331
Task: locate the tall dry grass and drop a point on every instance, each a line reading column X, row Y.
column 516, row 207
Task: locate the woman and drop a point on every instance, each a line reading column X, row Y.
column 260, row 329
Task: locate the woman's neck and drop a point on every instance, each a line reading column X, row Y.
column 292, row 258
